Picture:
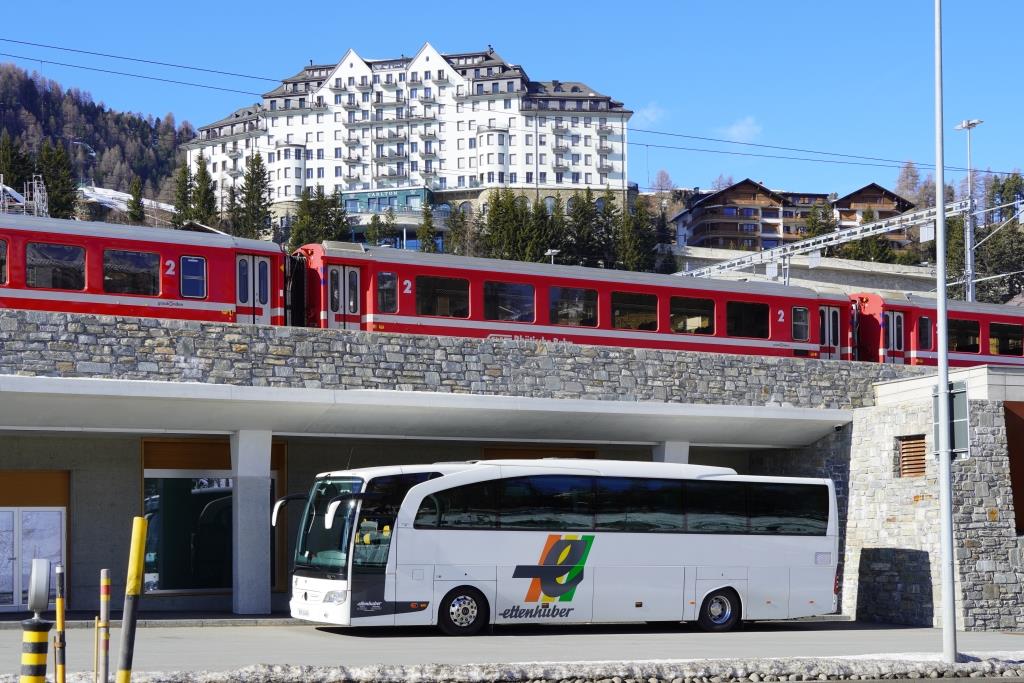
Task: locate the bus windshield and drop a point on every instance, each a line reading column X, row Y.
column 317, row 546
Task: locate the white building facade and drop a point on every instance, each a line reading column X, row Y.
column 437, row 128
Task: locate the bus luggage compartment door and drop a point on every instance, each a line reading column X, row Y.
column 639, row 593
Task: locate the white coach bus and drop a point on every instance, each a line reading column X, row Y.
column 464, row 545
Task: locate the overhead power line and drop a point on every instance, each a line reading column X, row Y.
column 846, row 159
column 138, row 59
column 125, row 73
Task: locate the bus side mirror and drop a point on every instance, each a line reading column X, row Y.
column 281, row 502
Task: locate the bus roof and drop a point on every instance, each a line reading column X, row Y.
column 618, row 468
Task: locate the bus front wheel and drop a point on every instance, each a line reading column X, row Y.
column 463, row 612
column 720, row 610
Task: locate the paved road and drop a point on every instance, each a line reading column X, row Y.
column 223, row 648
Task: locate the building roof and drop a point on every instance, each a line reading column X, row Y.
column 701, row 199
column 237, row 116
column 885, row 191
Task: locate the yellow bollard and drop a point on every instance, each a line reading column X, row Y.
column 132, row 591
column 59, row 639
column 103, row 671
column 34, row 644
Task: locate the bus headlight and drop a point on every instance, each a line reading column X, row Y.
column 335, row 597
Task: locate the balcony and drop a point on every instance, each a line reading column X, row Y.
column 461, row 93
column 442, row 78
column 560, row 148
column 397, row 135
column 353, row 142
column 561, row 129
column 429, row 134
column 351, row 106
column 429, row 99
column 604, row 149
column 361, row 122
column 337, row 86
column 560, row 165
column 605, row 129
column 234, row 172
column 364, row 86
column 354, row 158
column 391, row 154
column 428, row 153
column 421, row 116
column 390, row 84
column 605, row 167
column 353, row 177
column 233, row 153
column 396, row 173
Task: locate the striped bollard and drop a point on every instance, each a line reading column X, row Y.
column 103, row 675
column 58, row 638
column 133, row 589
column 35, row 636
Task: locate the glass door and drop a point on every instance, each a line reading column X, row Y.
column 25, row 534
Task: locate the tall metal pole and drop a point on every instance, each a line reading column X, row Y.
column 945, row 470
column 969, row 227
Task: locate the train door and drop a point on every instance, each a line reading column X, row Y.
column 343, row 289
column 893, row 337
column 252, row 289
column 828, row 320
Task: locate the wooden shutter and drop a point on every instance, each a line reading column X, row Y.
column 912, row 456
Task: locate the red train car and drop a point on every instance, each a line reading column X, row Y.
column 902, row 329
column 351, row 286
column 85, row 267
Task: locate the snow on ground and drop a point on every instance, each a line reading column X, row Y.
column 922, row 665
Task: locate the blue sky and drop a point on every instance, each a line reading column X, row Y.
column 848, row 77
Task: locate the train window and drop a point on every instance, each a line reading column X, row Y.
column 746, row 319
column 632, row 311
column 262, row 282
column 387, row 292
column 924, row 333
column 193, row 277
column 353, row 291
column 3, row 262
column 334, row 281
column 509, row 301
column 444, row 296
column 964, row 335
column 571, row 306
column 801, row 324
column 1005, row 339
column 54, row 266
column 692, row 316
column 131, row 272
column 243, row 280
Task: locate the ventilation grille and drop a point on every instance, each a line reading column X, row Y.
column 912, row 456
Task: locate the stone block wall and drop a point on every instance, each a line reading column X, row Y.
column 67, row 345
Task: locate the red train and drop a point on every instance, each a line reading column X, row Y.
column 49, row 264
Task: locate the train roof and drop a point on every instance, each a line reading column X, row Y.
column 389, row 255
column 133, row 232
column 964, row 306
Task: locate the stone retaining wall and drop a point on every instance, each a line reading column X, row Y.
column 67, row 345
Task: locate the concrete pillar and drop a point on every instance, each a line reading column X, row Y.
column 250, row 522
column 672, row 451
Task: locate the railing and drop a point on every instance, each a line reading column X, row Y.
column 397, row 135
column 351, row 105
column 605, row 167
column 337, row 86
column 561, row 129
column 235, row 172
column 605, row 129
column 429, row 134
column 604, row 149
column 560, row 148
column 560, row 165
column 428, row 153
column 364, row 86
column 353, row 142
column 430, row 99
column 354, row 158
column 233, row 153
column 390, row 84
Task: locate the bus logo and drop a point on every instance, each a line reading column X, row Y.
column 559, row 570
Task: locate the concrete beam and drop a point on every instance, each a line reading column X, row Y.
column 250, row 522
column 672, row 451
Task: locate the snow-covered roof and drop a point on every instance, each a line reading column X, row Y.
column 114, row 199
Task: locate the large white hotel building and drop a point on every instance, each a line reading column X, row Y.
column 441, row 129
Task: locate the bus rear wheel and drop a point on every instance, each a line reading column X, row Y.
column 720, row 610
column 463, row 612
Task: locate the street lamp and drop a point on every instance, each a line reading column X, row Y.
column 968, row 124
column 552, row 253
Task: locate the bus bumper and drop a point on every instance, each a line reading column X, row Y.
column 319, row 600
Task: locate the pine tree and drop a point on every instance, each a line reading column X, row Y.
column 425, row 233
column 375, row 230
column 875, row 248
column 255, row 200
column 337, row 226
column 59, row 179
column 204, row 199
column 231, row 218
column 182, row 196
column 538, row 238
column 461, row 238
column 581, row 246
column 304, row 227
column 557, row 230
column 627, row 243
column 136, row 213
column 606, row 226
column 391, row 228
column 15, row 167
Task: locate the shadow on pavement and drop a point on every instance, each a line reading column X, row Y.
column 623, row 629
